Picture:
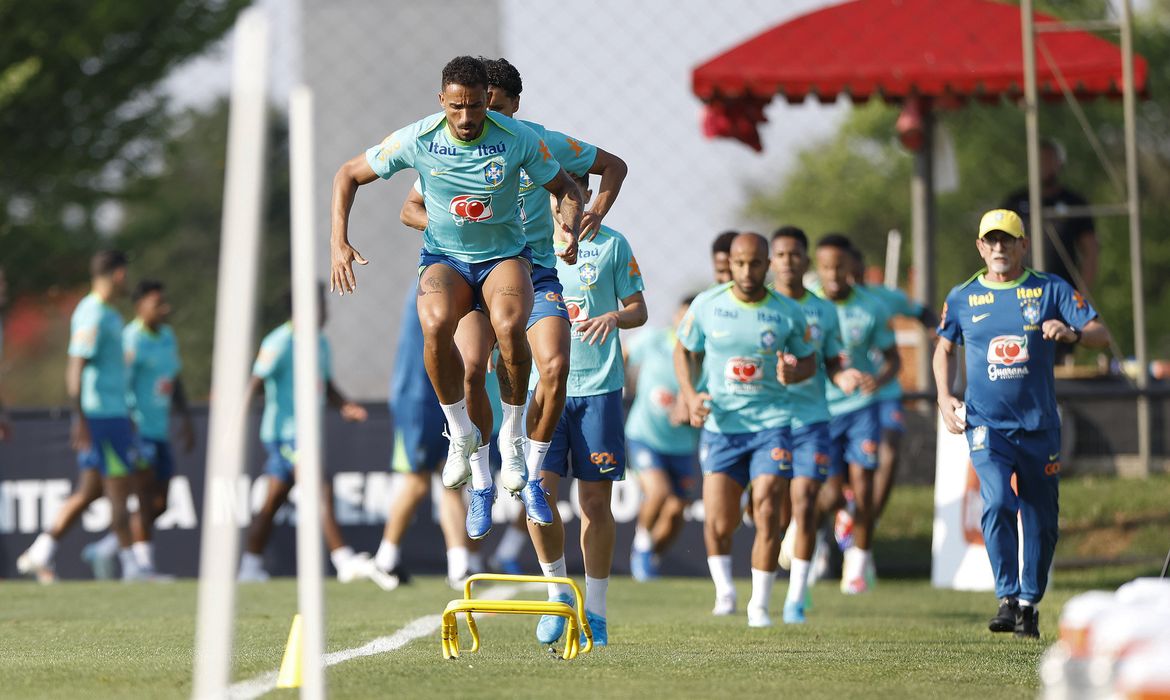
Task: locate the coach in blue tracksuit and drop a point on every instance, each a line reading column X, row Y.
column 1010, row 318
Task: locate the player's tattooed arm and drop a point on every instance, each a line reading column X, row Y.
column 687, row 365
column 570, row 202
column 613, row 172
column 945, row 363
column 414, row 211
column 354, row 173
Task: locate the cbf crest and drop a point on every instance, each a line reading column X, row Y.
column 493, row 173
column 768, row 340
column 588, row 274
column 525, row 181
column 1031, row 311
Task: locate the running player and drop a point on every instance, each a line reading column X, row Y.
column 810, row 411
column 548, row 325
column 272, row 374
column 721, row 256
column 742, row 334
column 662, row 446
column 474, row 254
column 1010, row 319
column 603, row 292
column 101, row 431
column 854, row 428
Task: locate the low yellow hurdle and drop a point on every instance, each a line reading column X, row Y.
column 469, row 605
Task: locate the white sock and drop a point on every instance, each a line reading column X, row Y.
column 798, row 580
column 556, row 568
column 513, row 425
column 720, row 566
column 457, row 563
column 107, row 546
column 43, row 548
column 761, row 589
column 512, row 543
column 387, row 556
column 595, row 594
column 481, row 469
column 458, row 421
column 643, row 542
column 536, row 453
column 129, row 564
column 143, row 555
column 251, row 562
column 856, row 560
column 340, row 556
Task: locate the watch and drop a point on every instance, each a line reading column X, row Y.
column 1078, row 333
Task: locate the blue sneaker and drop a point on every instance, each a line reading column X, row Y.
column 642, row 566
column 550, row 627
column 103, row 565
column 793, row 613
column 479, row 511
column 536, row 503
column 597, row 626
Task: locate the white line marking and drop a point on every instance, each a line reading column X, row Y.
column 420, row 627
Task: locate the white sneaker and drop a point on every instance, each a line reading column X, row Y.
column 356, row 567
column 457, row 469
column 252, row 576
column 514, row 471
column 758, row 617
column 27, row 566
column 724, row 605
column 385, row 581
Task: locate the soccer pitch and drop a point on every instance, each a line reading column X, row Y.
column 905, row 639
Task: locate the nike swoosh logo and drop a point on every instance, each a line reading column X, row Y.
column 1052, row 458
column 561, row 308
column 606, row 471
column 980, row 317
column 439, row 173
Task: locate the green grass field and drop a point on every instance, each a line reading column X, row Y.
column 903, row 640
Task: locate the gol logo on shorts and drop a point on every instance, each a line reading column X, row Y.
column 607, row 458
column 869, row 447
column 553, row 297
column 1052, row 468
column 779, row 454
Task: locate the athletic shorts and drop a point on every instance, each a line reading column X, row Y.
column 547, row 298
column 682, row 470
column 810, row 451
column 156, row 456
column 282, row 458
column 745, row 456
column 891, row 415
column 419, row 445
column 111, row 449
column 474, row 274
column 589, row 442
column 853, row 439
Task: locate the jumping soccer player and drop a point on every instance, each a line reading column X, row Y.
column 1010, row 318
column 810, row 411
column 661, row 444
column 101, row 431
column 854, row 428
column 742, row 335
column 548, row 325
column 272, row 374
column 603, row 291
column 474, row 254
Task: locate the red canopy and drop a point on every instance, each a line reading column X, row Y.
column 894, row 49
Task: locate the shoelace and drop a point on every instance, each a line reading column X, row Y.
column 479, row 503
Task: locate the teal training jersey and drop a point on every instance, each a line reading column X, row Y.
column 152, row 363
column 95, row 335
column 274, row 364
column 471, row 188
column 652, row 353
column 897, row 303
column 606, row 272
column 865, row 326
column 739, row 341
column 576, row 157
column 807, row 399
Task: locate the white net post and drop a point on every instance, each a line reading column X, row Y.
column 234, row 325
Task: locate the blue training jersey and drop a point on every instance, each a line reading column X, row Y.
column 575, row 156
column 152, row 362
column 897, row 303
column 652, row 353
column 471, row 188
column 808, row 402
column 1010, row 385
column 865, row 327
column 274, row 364
column 95, row 335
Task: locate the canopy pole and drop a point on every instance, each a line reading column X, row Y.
column 1032, row 127
column 922, row 234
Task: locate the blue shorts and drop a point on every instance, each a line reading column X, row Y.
column 156, row 455
column 111, row 449
column 474, row 274
column 810, row 451
column 419, row 445
column 282, row 458
column 589, row 439
column 853, row 439
column 682, row 470
column 547, row 296
column 744, row 456
column 891, row 416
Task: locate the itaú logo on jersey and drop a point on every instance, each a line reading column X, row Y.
column 1007, row 357
column 742, row 373
column 470, row 207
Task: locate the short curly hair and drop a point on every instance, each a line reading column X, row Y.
column 503, row 75
column 467, row 71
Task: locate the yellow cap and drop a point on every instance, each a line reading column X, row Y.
column 1004, row 220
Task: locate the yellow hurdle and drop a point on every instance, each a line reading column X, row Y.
column 468, row 605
